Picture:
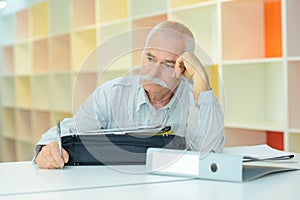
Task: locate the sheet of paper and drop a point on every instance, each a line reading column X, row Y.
column 259, row 151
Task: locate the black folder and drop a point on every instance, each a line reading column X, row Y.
column 116, row 149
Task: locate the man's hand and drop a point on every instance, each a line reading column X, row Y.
column 49, row 157
column 190, row 66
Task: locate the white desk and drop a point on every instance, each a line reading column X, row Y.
column 25, row 177
column 24, row 181
column 276, row 187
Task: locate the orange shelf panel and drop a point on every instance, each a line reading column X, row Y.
column 273, row 36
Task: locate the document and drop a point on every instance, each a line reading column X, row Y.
column 260, row 153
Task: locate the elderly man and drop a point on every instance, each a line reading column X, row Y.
column 171, row 88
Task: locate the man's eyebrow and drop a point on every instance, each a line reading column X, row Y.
column 170, row 61
column 149, row 54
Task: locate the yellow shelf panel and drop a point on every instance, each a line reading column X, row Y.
column 40, row 19
column 180, row 3
column 22, row 55
column 23, row 92
column 84, row 43
column 59, row 116
column 113, row 10
column 294, row 142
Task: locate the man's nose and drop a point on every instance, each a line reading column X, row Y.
column 155, row 70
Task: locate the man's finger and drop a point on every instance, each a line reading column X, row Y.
column 54, row 150
column 65, row 155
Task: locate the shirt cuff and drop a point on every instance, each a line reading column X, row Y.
column 206, row 97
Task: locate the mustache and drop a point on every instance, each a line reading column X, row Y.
column 155, row 80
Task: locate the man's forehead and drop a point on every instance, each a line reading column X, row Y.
column 159, row 41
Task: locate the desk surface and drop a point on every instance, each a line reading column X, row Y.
column 25, row 177
column 23, row 180
column 276, row 187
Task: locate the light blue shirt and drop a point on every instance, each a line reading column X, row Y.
column 122, row 102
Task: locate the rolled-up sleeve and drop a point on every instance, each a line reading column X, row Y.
column 206, row 124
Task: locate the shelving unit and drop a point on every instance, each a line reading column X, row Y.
column 45, row 74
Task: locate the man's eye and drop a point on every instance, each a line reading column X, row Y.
column 170, row 66
column 151, row 59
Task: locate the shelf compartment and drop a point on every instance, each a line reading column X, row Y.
column 60, row 16
column 83, row 13
column 248, row 29
column 202, row 21
column 294, row 141
column 248, row 137
column 244, row 137
column 40, row 92
column 9, row 153
column 60, row 53
column 61, row 92
column 180, row 3
column 138, row 41
column 22, row 57
column 84, row 85
column 24, row 151
column 22, row 24
column 112, row 10
column 40, row 19
column 40, row 124
column 254, row 94
column 293, row 94
column 40, row 56
column 23, row 124
column 145, row 7
column 23, row 91
column 109, row 75
column 293, row 30
column 9, row 122
column 112, row 30
column 59, row 116
column 83, row 44
column 8, row 60
column 7, row 24
column 8, row 91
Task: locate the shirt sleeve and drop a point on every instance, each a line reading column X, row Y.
column 206, row 124
column 90, row 116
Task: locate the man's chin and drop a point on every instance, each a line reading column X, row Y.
column 154, row 88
